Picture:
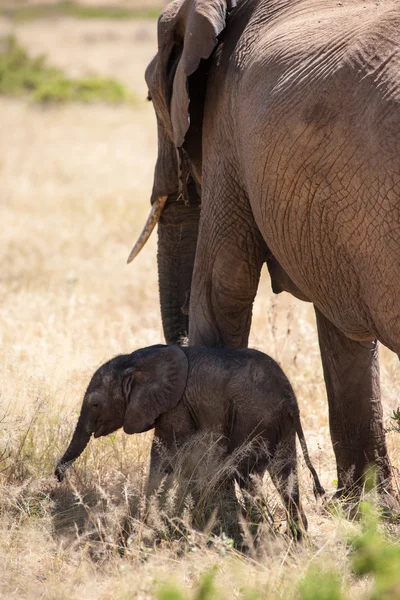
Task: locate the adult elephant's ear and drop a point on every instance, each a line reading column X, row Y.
column 153, row 385
column 187, row 33
column 200, row 22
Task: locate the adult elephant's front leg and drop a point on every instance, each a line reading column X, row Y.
column 229, row 257
column 351, row 371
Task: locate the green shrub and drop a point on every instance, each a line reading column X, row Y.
column 375, row 555
column 372, row 554
column 20, row 75
column 319, row 584
column 205, row 589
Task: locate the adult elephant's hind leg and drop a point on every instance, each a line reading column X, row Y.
column 351, row 371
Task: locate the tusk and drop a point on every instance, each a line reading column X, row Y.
column 151, row 222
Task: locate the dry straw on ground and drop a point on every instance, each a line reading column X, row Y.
column 75, row 183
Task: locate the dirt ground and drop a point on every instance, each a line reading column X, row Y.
column 74, row 193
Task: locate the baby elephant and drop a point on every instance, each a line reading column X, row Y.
column 240, row 395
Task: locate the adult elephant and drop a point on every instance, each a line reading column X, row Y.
column 283, row 116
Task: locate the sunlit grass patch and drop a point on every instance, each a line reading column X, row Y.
column 22, row 75
column 368, row 571
column 78, row 11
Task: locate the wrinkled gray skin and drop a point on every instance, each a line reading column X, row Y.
column 240, row 396
column 291, row 130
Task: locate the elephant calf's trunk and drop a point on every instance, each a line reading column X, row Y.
column 78, row 443
column 61, row 467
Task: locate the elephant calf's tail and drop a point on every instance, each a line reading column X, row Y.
column 318, row 489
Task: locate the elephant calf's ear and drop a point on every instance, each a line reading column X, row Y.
column 153, row 386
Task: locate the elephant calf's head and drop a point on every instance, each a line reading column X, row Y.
column 129, row 391
column 103, row 405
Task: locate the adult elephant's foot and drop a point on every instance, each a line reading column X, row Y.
column 351, row 371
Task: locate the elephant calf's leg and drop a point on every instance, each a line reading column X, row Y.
column 159, row 467
column 283, row 472
column 351, row 371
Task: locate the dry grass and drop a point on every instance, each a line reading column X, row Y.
column 75, row 183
